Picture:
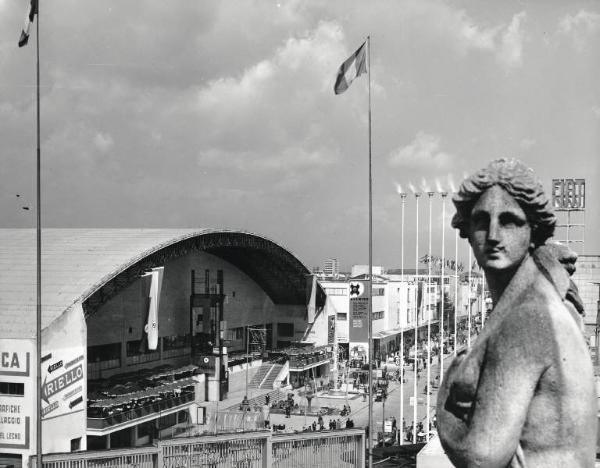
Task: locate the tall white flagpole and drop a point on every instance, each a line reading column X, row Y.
column 402, row 324
column 428, row 306
column 469, row 299
column 39, row 446
column 417, row 195
column 444, row 194
column 370, row 295
column 455, row 289
column 483, row 304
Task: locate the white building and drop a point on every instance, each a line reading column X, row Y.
column 331, row 268
column 399, row 304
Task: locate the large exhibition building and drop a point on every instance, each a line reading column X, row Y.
column 155, row 312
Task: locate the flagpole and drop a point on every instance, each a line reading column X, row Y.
column 455, row 289
column 442, row 287
column 401, row 438
column 469, row 300
column 38, row 256
column 370, row 295
column 428, row 305
column 416, row 365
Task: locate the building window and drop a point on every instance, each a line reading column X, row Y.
column 335, row 291
column 342, row 316
column 378, row 315
column 12, row 388
column 234, row 334
column 175, row 342
column 285, row 329
column 76, row 444
column 102, row 357
column 378, row 291
column 105, row 352
column 138, row 352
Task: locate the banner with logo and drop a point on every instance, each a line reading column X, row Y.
column 359, row 312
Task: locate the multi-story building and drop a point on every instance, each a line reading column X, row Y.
column 587, row 279
column 331, row 268
column 401, row 304
column 122, row 365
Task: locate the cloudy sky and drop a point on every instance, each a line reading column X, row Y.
column 222, row 113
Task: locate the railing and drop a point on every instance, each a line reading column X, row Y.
column 142, row 358
column 323, row 449
column 136, row 413
column 344, row 448
column 140, row 457
column 220, row 451
column 305, row 361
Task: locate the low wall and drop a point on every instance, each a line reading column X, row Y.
column 343, row 448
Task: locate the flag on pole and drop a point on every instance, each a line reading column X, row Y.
column 352, row 68
column 33, row 9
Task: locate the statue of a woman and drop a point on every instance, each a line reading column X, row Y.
column 523, row 395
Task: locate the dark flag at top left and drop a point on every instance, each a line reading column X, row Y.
column 33, row 9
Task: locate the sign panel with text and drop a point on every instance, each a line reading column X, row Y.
column 359, row 311
column 63, row 379
column 568, row 194
column 17, row 362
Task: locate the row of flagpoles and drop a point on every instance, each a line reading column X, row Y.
column 353, row 67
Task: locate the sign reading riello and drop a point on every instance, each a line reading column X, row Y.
column 359, row 312
column 568, row 194
column 63, row 377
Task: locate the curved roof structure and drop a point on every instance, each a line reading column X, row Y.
column 92, row 265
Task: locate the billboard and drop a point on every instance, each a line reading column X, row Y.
column 568, row 194
column 17, row 363
column 359, row 312
column 63, row 376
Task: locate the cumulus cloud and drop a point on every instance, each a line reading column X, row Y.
column 103, row 141
column 259, row 120
column 503, row 41
column 579, row 27
column 424, row 152
column 527, row 143
column 510, row 50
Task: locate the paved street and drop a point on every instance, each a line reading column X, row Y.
column 381, row 410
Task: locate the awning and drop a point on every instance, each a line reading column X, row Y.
column 170, row 372
column 147, row 393
column 382, row 335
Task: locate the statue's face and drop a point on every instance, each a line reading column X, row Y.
column 499, row 232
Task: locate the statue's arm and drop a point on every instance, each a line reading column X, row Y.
column 489, row 432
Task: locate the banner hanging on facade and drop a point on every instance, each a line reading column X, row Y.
column 359, row 311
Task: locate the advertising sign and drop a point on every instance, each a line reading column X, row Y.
column 359, row 311
column 16, row 404
column 331, row 329
column 207, row 363
column 568, row 194
column 14, row 424
column 63, row 377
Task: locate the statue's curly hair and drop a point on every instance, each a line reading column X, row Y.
column 521, row 183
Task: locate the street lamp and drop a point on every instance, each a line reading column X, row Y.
column 417, row 195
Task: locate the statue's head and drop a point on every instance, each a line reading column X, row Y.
column 503, row 211
column 520, row 182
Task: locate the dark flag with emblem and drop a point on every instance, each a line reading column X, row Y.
column 33, row 9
